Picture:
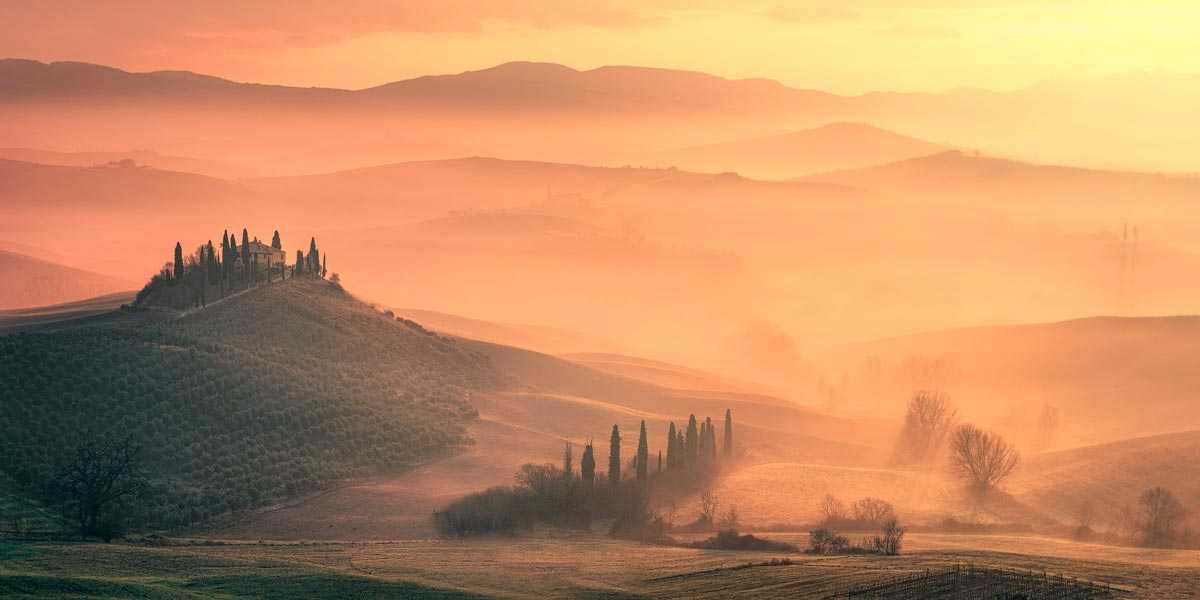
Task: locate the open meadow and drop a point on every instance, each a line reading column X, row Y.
column 543, row 564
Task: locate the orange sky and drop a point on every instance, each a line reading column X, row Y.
column 847, row 47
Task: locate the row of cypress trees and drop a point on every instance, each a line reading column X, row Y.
column 691, row 451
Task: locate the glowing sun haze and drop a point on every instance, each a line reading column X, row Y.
column 846, row 47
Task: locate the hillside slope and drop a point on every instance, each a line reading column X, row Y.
column 1111, row 378
column 30, row 282
column 1107, row 477
column 273, row 393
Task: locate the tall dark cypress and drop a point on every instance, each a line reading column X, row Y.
column 614, row 457
column 727, row 447
column 178, row 274
column 299, row 263
column 587, row 467
column 711, row 443
column 324, row 261
column 568, row 461
column 671, row 455
column 314, row 258
column 660, row 465
column 692, row 449
column 246, row 266
column 643, row 455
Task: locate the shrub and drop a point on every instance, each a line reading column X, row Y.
column 826, row 541
column 888, row 541
column 729, row 539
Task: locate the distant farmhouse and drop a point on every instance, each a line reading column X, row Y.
column 261, row 255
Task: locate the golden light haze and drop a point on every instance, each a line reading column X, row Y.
column 842, row 47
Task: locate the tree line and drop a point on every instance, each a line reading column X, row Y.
column 638, row 494
column 191, row 280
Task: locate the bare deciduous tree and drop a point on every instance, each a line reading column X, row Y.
column 982, row 458
column 832, row 509
column 709, row 503
column 890, row 537
column 1160, row 517
column 927, row 422
column 873, row 510
column 1047, row 428
column 97, row 480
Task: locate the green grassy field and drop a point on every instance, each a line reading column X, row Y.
column 545, row 564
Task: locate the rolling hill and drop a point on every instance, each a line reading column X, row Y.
column 267, row 395
column 211, row 168
column 31, row 282
column 843, row 145
column 1111, row 378
column 1107, row 477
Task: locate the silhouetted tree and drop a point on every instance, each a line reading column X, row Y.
column 568, row 461
column 275, row 243
column 178, row 275
column 692, row 448
column 727, row 447
column 711, row 443
column 660, row 463
column 672, row 456
column 982, row 458
column 248, row 269
column 643, row 456
column 588, row 468
column 299, row 262
column 1161, row 515
column 1047, row 426
column 314, row 258
column 614, row 457
column 324, row 261
column 929, row 420
column 98, row 479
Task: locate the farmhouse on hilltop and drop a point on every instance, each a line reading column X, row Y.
column 262, row 255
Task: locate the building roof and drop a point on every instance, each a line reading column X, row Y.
column 257, row 247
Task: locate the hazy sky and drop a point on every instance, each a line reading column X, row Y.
column 849, row 47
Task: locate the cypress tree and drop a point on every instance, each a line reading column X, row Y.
column 614, row 457
column 671, row 455
column 680, row 449
column 692, row 448
column 275, row 243
column 727, row 447
column 299, row 262
column 246, row 272
column 711, row 443
column 568, row 461
column 178, row 274
column 659, row 469
column 314, row 258
column 643, row 455
column 588, row 468
column 324, row 261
